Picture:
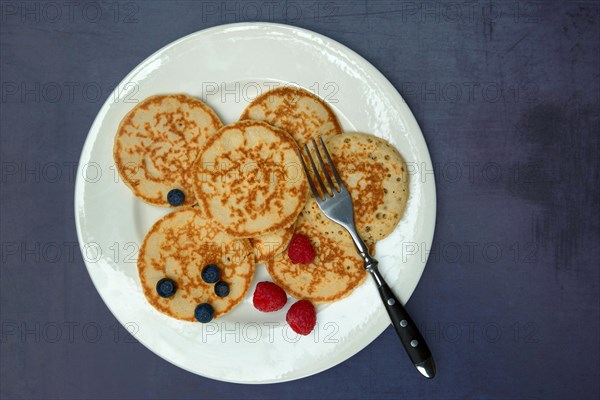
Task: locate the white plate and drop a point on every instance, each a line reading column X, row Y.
column 227, row 66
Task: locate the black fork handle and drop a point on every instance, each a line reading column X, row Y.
column 407, row 330
column 338, row 208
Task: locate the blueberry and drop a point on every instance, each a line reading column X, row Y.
column 166, row 287
column 211, row 273
column 175, row 197
column 221, row 289
column 204, row 313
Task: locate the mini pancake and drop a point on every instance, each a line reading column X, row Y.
column 178, row 246
column 295, row 110
column 248, row 179
column 269, row 245
column 335, row 272
column 376, row 176
column 157, row 143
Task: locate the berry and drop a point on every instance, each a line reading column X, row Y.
column 302, row 317
column 211, row 273
column 175, row 197
column 269, row 297
column 204, row 313
column 166, row 288
column 300, row 251
column 222, row 289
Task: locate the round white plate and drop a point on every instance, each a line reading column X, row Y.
column 227, row 66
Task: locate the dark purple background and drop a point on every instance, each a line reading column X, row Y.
column 507, row 96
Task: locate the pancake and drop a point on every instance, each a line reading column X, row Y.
column 376, row 176
column 269, row 245
column 248, row 179
column 335, row 272
column 158, row 141
column 295, row 110
column 178, row 246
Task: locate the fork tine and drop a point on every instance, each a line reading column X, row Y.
column 333, row 169
column 333, row 189
column 313, row 189
column 316, row 171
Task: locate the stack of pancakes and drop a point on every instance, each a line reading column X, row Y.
column 246, row 195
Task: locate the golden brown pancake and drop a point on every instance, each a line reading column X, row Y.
column 249, row 180
column 376, row 176
column 295, row 110
column 269, row 245
column 335, row 272
column 178, row 246
column 158, row 141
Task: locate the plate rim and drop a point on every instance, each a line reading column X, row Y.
column 387, row 87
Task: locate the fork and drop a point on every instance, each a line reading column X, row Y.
column 337, row 206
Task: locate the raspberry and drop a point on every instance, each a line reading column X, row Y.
column 269, row 297
column 300, row 251
column 302, row 317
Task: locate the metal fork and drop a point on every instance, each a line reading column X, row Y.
column 337, row 206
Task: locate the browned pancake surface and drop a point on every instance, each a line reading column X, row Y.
column 178, row 246
column 269, row 245
column 295, row 110
column 158, row 141
column 376, row 176
column 249, row 180
column 336, row 271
